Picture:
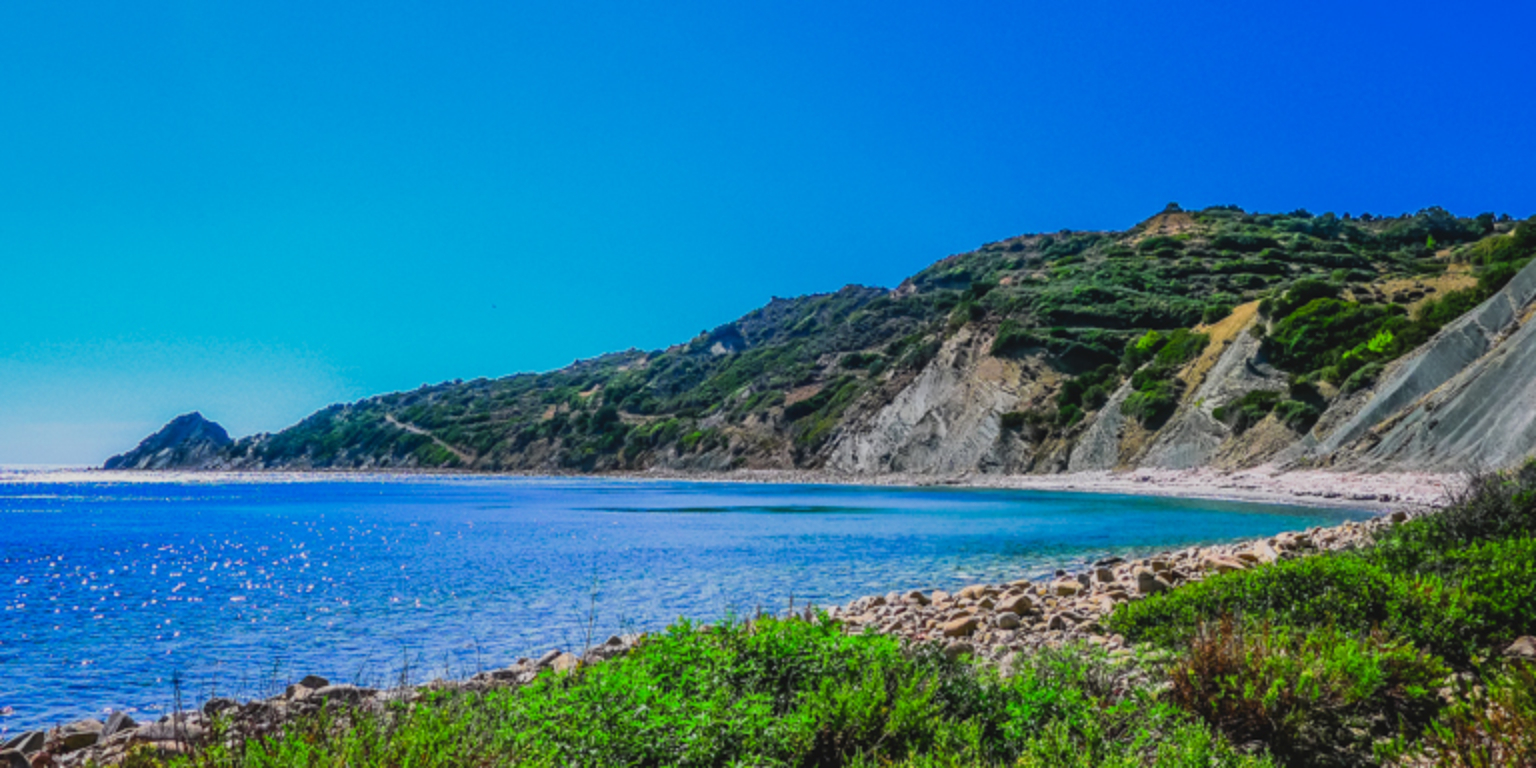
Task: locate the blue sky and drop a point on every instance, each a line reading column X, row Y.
column 256, row 209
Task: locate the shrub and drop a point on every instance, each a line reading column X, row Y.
column 1313, row 697
column 777, row 693
column 1301, row 293
column 1297, row 415
column 1307, row 592
column 1215, row 313
column 1492, row 505
column 1320, row 332
column 860, row 359
column 1482, row 729
column 1248, row 410
column 1362, row 378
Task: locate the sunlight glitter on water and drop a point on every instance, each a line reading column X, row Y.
column 111, row 590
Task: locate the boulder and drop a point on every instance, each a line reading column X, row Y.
column 26, row 742
column 1522, row 648
column 1265, row 552
column 1221, row 564
column 349, row 694
column 1006, row 621
column 956, row 650
column 1017, row 604
column 973, row 592
column 168, row 731
column 120, row 721
column 1149, row 583
column 1104, row 575
column 314, row 681
column 1064, row 621
column 960, row 627
column 565, row 662
column 1066, row 587
column 78, row 735
column 916, row 596
column 13, row 758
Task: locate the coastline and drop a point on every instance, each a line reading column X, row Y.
column 992, row 622
column 1411, row 491
column 1375, row 492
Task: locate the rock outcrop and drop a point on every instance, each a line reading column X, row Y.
column 189, row 441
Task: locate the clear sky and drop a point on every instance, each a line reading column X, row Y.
column 256, row 209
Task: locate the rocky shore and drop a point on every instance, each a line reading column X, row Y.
column 111, row 742
column 993, row 621
column 989, row 621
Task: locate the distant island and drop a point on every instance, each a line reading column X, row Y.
column 1214, row 339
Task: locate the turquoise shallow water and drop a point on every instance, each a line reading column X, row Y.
column 110, row 591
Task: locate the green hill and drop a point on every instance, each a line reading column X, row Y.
column 1069, row 319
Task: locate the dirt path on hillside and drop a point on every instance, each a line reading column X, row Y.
column 467, row 458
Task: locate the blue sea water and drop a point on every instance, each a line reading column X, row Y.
column 112, row 591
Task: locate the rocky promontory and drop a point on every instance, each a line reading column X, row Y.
column 188, row 440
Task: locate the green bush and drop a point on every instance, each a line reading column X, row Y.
column 1301, row 293
column 860, row 359
column 780, row 693
column 1492, row 727
column 1314, row 697
column 1362, row 378
column 1297, row 415
column 1320, row 332
column 1454, row 582
column 1153, row 403
column 1215, row 313
column 1247, row 410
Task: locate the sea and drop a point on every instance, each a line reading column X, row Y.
column 147, row 592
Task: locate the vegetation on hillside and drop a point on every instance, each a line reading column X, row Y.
column 775, row 387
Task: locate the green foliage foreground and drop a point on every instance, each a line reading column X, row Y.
column 775, row 693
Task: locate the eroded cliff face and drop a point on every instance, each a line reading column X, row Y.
column 1464, row 400
column 948, row 419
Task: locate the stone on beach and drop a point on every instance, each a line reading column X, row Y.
column 26, row 742
column 1017, row 604
column 78, row 735
column 1066, row 587
column 1222, row 564
column 120, row 721
column 1149, row 583
column 960, row 627
column 973, row 592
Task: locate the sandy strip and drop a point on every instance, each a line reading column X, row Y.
column 1411, row 491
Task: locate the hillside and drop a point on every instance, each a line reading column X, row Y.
column 1196, row 338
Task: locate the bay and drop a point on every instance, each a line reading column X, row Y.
column 123, row 594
